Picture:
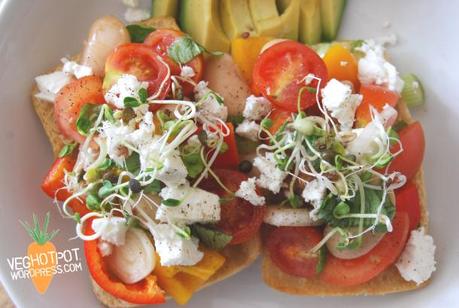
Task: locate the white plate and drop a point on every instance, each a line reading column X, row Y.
column 36, row 34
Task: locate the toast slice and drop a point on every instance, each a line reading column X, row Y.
column 237, row 257
column 390, row 281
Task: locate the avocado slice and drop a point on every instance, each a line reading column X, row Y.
column 268, row 22
column 236, row 18
column 162, row 8
column 200, row 19
column 331, row 13
column 310, row 30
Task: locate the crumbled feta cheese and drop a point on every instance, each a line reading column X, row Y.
column 105, row 248
column 126, row 86
column 196, row 205
column 210, row 107
column 112, row 230
column 187, row 72
column 288, row 217
column 337, row 97
column 314, row 193
column 116, row 136
column 256, row 108
column 247, row 191
column 49, row 85
column 201, row 89
column 135, row 15
column 173, row 171
column 75, row 69
column 248, row 129
column 417, row 262
column 173, row 249
column 374, row 69
column 271, row 177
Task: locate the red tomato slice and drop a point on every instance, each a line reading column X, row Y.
column 353, row 272
column 413, row 143
column 289, row 249
column 141, row 61
column 161, row 40
column 278, row 117
column 238, row 217
column 70, row 100
column 229, row 159
column 377, row 97
column 279, row 71
column 407, row 200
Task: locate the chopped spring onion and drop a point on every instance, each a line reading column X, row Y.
column 413, row 92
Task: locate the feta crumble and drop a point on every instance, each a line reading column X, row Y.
column 417, row 262
column 196, row 205
column 187, row 72
column 288, row 217
column 374, row 69
column 126, row 86
column 173, row 249
column 173, row 171
column 248, row 129
column 133, row 15
column 75, row 69
column 105, row 248
column 247, row 191
column 337, row 97
column 314, row 193
column 201, row 89
column 256, row 108
column 210, row 107
column 271, row 177
column 49, row 85
column 112, row 230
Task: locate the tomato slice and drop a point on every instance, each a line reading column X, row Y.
column 280, row 69
column 229, row 159
column 377, row 97
column 53, row 183
column 341, row 64
column 278, row 118
column 353, row 272
column 239, row 218
column 289, row 249
column 70, row 100
column 141, row 61
column 160, row 40
column 410, row 160
column 145, row 291
column 407, row 200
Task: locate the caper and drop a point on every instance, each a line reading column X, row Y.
column 135, row 186
column 245, row 166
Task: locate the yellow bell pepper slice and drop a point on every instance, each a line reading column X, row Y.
column 245, row 53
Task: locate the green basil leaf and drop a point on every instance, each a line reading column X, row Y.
column 131, row 102
column 67, row 150
column 191, row 157
column 236, row 119
column 132, row 163
column 139, row 33
column 184, row 49
column 153, row 187
column 86, row 120
column 143, row 95
column 211, row 238
column 171, row 202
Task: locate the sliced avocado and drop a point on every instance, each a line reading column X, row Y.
column 200, row 19
column 331, row 13
column 236, row 18
column 310, row 22
column 162, row 8
column 268, row 22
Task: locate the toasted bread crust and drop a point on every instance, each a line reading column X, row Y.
column 389, row 281
column 236, row 257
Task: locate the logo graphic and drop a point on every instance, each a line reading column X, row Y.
column 43, row 261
